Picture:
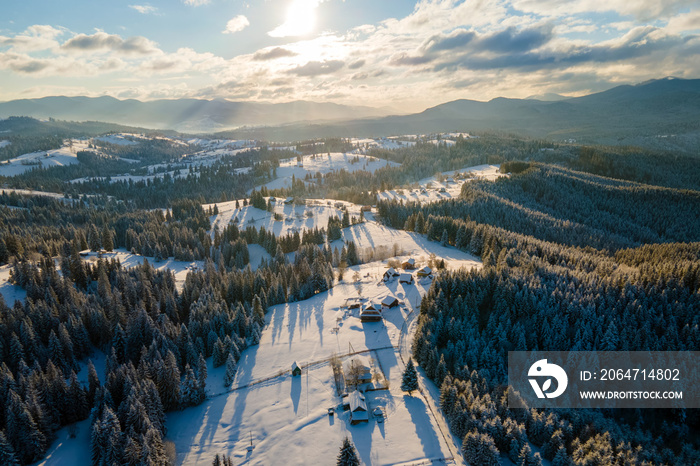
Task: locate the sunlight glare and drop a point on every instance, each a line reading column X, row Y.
column 301, row 19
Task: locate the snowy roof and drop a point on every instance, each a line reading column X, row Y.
column 391, row 271
column 425, row 270
column 373, row 307
column 389, row 300
column 406, row 277
column 357, row 405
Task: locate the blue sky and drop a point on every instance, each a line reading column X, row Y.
column 406, row 55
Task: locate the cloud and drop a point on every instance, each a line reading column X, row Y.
column 456, row 39
column 144, row 9
column 22, row 64
column 317, row 68
column 34, row 38
column 272, row 54
column 236, row 24
column 644, row 10
column 357, row 64
column 685, row 22
column 197, row 2
column 638, row 43
column 512, row 40
column 404, row 59
column 101, row 41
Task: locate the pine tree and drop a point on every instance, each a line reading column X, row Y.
column 107, row 241
column 219, row 353
column 527, row 458
column 445, row 238
column 348, row 454
column 561, row 458
column 410, row 378
column 480, row 449
column 94, row 240
column 230, row 370
column 7, row 454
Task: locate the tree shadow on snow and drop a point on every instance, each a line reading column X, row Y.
column 296, row 392
column 424, row 427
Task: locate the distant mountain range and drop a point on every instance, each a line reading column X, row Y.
column 662, row 113
column 184, row 115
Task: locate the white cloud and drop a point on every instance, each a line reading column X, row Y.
column 144, row 9
column 685, row 22
column 640, row 9
column 35, row 38
column 236, row 24
column 103, row 42
column 197, row 2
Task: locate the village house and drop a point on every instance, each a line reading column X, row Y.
column 358, row 408
column 389, row 301
column 406, row 278
column 390, row 274
column 357, row 370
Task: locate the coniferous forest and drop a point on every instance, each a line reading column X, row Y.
column 573, row 240
column 572, row 261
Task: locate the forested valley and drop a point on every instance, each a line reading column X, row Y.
column 572, row 261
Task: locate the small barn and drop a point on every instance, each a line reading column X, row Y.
column 373, row 307
column 289, row 200
column 366, row 208
column 358, row 408
column 424, row 271
column 406, row 278
column 409, row 264
column 389, row 302
column 353, row 303
column 296, row 370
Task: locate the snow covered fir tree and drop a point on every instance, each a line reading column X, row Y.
column 409, row 381
column 348, row 454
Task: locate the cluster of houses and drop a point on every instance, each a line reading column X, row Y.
column 406, row 277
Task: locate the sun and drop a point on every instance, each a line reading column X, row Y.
column 300, row 20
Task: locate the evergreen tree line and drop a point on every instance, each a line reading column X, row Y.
column 541, row 295
column 156, row 340
column 557, row 205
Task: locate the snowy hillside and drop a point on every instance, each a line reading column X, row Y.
column 324, row 163
column 66, row 155
column 430, row 189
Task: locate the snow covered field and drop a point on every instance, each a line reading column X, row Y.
column 29, row 192
column 10, row 292
column 430, row 190
column 128, row 260
column 323, row 163
column 287, row 417
column 52, row 158
column 294, row 217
